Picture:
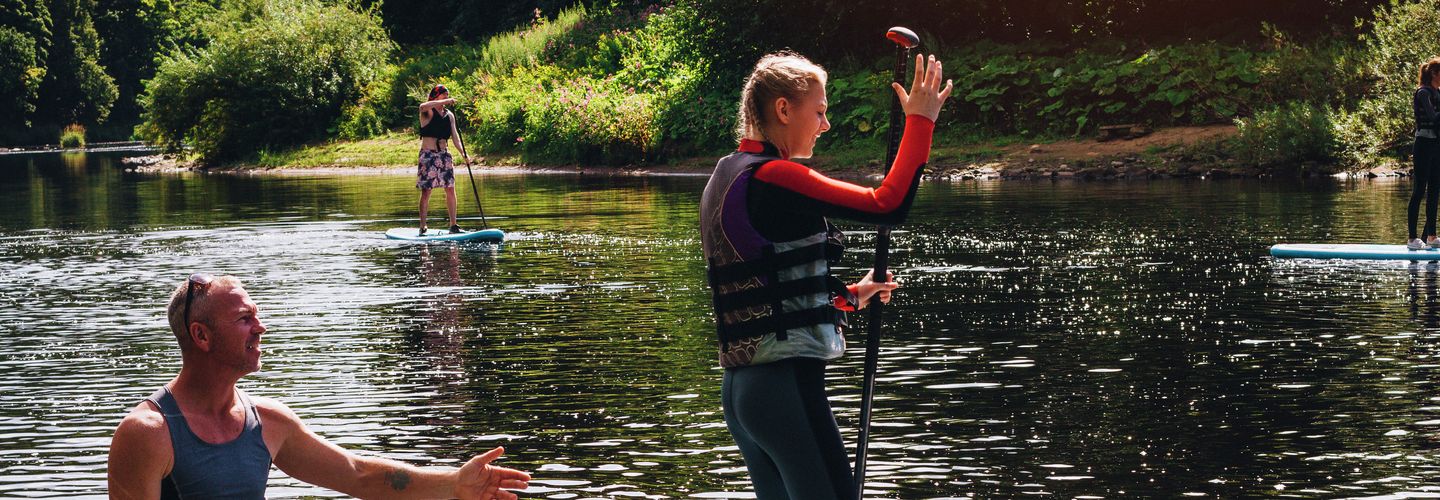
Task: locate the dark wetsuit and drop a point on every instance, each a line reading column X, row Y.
column 777, row 411
column 1426, row 178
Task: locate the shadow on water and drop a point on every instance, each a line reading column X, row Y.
column 1070, row 339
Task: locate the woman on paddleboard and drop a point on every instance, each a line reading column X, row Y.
column 436, row 166
column 1426, row 178
column 769, row 249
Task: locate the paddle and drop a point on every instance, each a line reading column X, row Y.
column 474, row 190
column 904, row 40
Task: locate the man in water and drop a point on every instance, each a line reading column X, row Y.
column 199, row 436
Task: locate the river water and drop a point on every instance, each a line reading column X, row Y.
column 1065, row 339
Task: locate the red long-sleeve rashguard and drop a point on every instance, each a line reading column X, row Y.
column 788, row 200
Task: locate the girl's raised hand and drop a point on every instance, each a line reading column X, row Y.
column 925, row 96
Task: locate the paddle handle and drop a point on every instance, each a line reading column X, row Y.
column 904, row 40
column 473, row 190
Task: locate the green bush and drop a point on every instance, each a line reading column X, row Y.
column 526, row 46
column 1379, row 125
column 859, row 104
column 409, row 81
column 72, row 136
column 550, row 115
column 1329, row 72
column 610, row 90
column 415, row 72
column 1286, row 134
column 275, row 74
column 364, row 118
column 1034, row 90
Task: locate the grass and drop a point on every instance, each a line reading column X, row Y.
column 863, row 156
column 73, row 137
column 394, row 148
column 1160, row 149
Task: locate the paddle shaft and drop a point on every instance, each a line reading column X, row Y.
column 473, row 190
column 879, row 275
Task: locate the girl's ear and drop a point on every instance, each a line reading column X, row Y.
column 782, row 110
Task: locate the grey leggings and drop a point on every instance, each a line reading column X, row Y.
column 779, row 416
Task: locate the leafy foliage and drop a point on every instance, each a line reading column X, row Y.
column 24, row 45
column 274, row 74
column 550, row 114
column 598, row 92
column 1286, row 134
column 418, row 69
column 1379, row 124
column 1011, row 88
column 20, row 74
column 135, row 32
column 74, row 87
column 534, row 88
column 72, row 136
column 445, row 22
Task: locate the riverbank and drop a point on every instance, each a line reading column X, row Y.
column 1137, row 153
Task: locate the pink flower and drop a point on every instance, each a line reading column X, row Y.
column 519, row 139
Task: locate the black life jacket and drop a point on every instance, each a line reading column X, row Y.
column 438, row 126
column 761, row 287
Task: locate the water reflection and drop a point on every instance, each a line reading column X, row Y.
column 1122, row 340
column 1424, row 302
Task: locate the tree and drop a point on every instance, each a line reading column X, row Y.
column 135, row 32
column 24, row 43
column 274, row 74
column 19, row 78
column 75, row 88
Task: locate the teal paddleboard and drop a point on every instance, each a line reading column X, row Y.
column 413, row 234
column 1351, row 251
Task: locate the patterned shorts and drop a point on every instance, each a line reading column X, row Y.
column 437, row 170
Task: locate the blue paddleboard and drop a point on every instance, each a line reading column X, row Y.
column 1351, row 251
column 413, row 234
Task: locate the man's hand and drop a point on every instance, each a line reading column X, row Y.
column 480, row 480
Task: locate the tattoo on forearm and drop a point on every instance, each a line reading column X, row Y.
column 398, row 479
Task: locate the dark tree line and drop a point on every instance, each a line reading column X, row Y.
column 448, row 21
column 1149, row 21
column 735, row 32
column 85, row 61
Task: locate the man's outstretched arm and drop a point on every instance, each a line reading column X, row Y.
column 308, row 457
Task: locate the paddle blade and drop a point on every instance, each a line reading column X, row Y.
column 903, row 37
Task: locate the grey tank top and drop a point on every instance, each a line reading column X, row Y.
column 237, row 469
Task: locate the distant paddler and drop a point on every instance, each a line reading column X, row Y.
column 1425, row 180
column 436, row 166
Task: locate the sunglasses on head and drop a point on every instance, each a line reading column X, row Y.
column 196, row 280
